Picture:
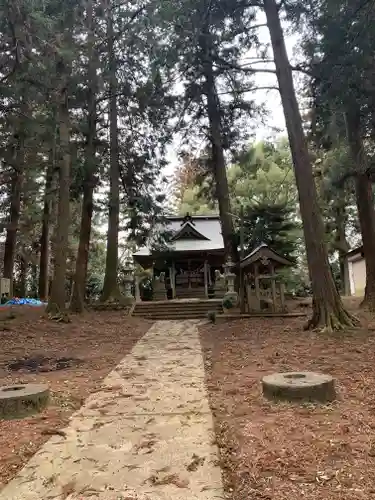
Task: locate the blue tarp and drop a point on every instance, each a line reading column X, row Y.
column 23, row 302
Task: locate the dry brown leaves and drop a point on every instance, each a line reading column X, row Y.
column 174, row 479
column 281, row 451
column 99, row 340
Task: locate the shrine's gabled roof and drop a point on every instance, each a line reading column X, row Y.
column 263, row 251
column 190, row 233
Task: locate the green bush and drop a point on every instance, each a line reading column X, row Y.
column 227, row 303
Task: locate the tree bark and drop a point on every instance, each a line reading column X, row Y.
column 43, row 284
column 23, row 277
column 57, row 300
column 328, row 310
column 110, row 287
column 341, row 244
column 218, row 158
column 80, row 277
column 33, row 292
column 364, row 200
column 344, row 274
column 15, row 208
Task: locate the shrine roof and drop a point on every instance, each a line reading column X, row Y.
column 263, row 251
column 189, row 233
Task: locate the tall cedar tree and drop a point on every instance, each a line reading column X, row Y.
column 44, row 259
column 90, row 167
column 328, row 310
column 57, row 300
column 110, row 288
column 338, row 36
column 208, row 42
column 364, row 199
column 216, row 139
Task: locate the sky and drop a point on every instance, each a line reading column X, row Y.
column 265, row 127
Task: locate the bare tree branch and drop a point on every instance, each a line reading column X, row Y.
column 250, row 89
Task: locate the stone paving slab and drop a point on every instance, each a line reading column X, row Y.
column 147, row 434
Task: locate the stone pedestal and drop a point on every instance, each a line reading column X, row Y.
column 231, row 294
column 128, row 281
column 137, row 289
column 159, row 290
column 230, row 277
column 220, row 285
column 302, row 386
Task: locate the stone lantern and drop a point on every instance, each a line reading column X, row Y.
column 230, row 277
column 228, row 266
column 128, row 281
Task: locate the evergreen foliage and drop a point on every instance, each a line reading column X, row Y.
column 92, row 95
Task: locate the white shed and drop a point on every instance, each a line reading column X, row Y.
column 357, row 271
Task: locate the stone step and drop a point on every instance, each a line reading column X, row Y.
column 138, row 312
column 169, row 317
column 177, row 309
column 190, row 293
column 191, row 305
column 179, row 303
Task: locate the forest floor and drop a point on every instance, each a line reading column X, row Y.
column 71, row 358
column 283, row 451
column 268, row 451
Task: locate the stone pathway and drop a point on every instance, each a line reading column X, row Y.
column 147, row 434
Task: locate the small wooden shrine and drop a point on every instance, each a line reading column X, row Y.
column 264, row 288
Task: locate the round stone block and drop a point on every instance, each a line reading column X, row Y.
column 18, row 401
column 305, row 386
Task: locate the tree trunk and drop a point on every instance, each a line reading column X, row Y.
column 80, row 276
column 341, row 243
column 15, row 210
column 218, row 159
column 33, row 280
column 57, row 300
column 328, row 310
column 43, row 284
column 110, row 288
column 364, row 199
column 23, row 277
column 344, row 274
column 79, row 284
